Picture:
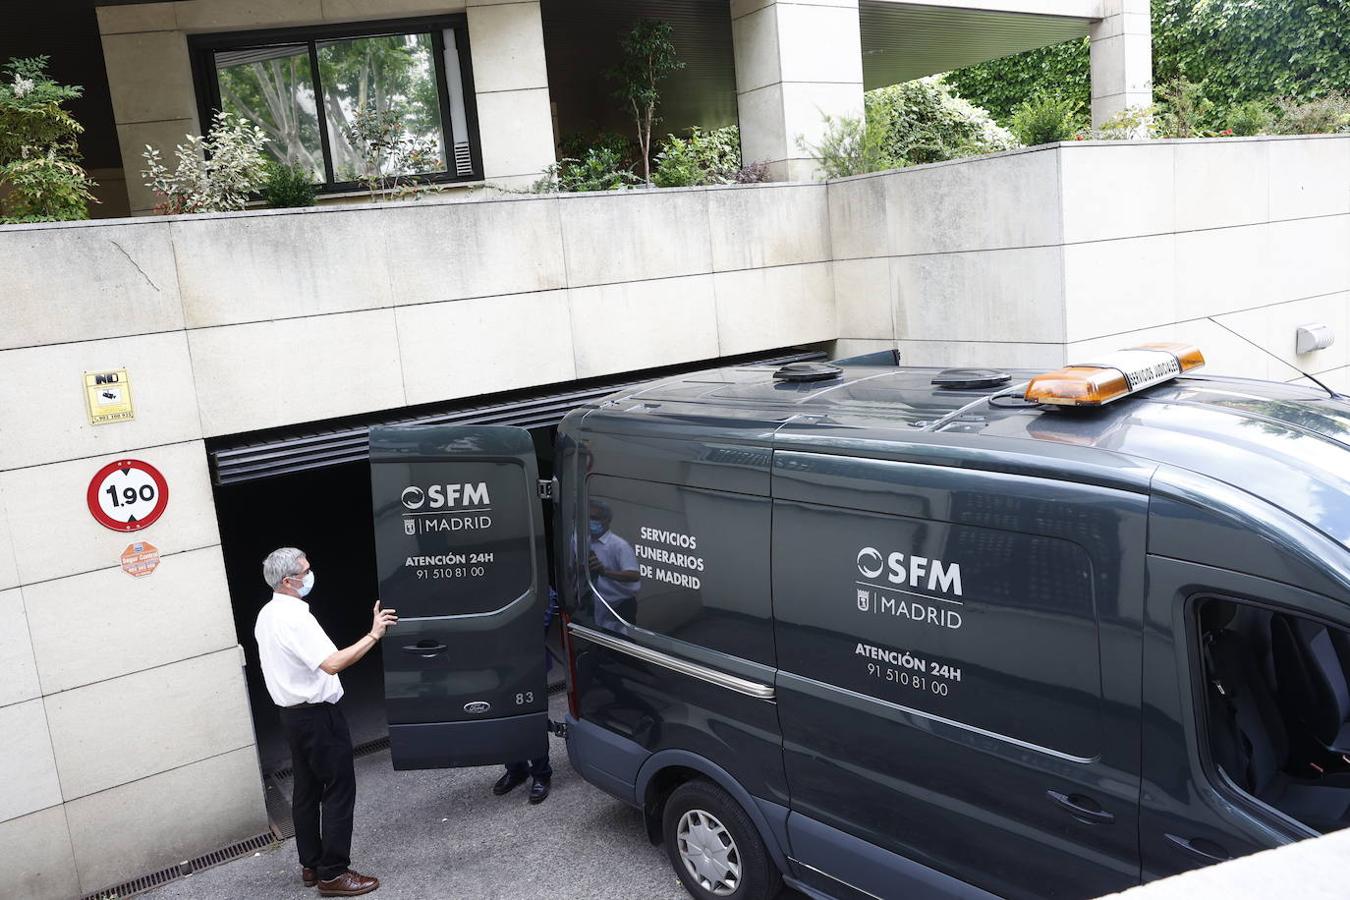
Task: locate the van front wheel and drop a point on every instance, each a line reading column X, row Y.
column 714, row 847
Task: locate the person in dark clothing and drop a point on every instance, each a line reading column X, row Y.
column 537, row 769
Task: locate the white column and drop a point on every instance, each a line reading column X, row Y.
column 795, row 63
column 1122, row 58
column 510, row 80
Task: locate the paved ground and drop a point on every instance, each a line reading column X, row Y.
column 441, row 834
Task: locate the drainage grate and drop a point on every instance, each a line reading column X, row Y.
column 183, row 869
column 370, row 747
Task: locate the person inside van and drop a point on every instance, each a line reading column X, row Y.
column 614, row 570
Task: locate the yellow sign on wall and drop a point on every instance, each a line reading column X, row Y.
column 109, row 396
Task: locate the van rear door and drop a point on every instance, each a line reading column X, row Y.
column 459, row 544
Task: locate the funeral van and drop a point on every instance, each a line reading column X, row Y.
column 880, row 631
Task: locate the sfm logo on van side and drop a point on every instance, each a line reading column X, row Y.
column 911, row 571
column 446, row 496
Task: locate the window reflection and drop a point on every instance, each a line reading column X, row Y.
column 391, row 77
column 273, row 88
column 614, row 569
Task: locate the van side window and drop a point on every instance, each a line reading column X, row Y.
column 688, row 563
column 1277, row 708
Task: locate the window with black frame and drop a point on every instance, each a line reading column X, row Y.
column 348, row 103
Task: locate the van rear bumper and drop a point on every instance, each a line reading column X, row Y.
column 605, row 759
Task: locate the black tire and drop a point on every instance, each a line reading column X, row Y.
column 711, row 806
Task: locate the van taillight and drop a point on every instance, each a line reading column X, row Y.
column 572, row 705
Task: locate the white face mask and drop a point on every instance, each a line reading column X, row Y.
column 306, row 584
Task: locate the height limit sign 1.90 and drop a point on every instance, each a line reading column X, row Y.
column 127, row 495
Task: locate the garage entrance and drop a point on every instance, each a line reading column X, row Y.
column 308, row 486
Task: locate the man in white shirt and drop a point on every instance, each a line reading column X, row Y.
column 300, row 666
column 614, row 569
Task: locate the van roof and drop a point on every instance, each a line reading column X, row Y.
column 1286, row 443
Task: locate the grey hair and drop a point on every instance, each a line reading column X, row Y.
column 606, row 514
column 281, row 563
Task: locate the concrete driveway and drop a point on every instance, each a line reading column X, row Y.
column 441, row 834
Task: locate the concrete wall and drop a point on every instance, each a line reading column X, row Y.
column 1044, row 256
column 145, row 50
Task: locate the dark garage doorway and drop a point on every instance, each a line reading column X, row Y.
column 327, row 513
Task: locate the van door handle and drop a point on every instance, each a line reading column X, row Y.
column 1206, row 850
column 425, row 649
column 1084, row 809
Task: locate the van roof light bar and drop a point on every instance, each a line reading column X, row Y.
column 1114, row 375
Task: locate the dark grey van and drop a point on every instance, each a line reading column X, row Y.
column 895, row 632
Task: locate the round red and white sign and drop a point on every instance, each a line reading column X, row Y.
column 127, row 495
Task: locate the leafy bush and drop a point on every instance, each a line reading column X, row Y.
column 1046, row 119
column 850, row 146
column 600, row 169
column 577, row 144
column 923, row 121
column 216, row 173
column 1329, row 114
column 1130, row 124
column 1250, row 117
column 41, row 179
column 704, row 157
column 288, row 185
column 391, row 157
column 1185, row 110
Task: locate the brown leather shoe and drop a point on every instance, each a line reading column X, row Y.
column 348, row 884
column 309, row 876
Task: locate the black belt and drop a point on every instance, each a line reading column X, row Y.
column 309, row 705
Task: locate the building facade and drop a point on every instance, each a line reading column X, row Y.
column 501, row 85
column 258, row 345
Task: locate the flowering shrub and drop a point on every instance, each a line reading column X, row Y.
column 216, row 173
column 41, row 179
column 923, row 121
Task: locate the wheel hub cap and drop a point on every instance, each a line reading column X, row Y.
column 709, row 853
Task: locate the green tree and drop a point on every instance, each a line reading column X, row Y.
column 41, row 178
column 648, row 59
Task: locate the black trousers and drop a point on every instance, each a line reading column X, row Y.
column 538, row 768
column 325, row 786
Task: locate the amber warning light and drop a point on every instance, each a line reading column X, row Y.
column 1114, row 375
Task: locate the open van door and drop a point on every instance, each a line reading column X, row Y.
column 459, row 545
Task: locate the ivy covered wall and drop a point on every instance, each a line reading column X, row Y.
column 1240, row 49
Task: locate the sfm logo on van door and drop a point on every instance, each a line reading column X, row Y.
column 446, row 496
column 909, row 574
